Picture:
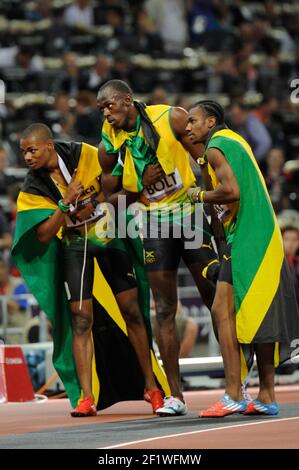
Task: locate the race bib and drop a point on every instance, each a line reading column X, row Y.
column 94, row 216
column 223, row 212
column 167, row 185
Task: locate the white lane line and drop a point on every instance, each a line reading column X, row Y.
column 220, row 428
column 278, row 389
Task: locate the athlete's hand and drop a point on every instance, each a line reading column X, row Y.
column 73, row 191
column 152, row 174
column 193, row 193
column 84, row 212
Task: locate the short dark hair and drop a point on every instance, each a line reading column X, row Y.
column 290, row 228
column 211, row 108
column 117, row 85
column 37, row 129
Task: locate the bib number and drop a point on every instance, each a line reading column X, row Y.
column 167, row 185
column 94, row 216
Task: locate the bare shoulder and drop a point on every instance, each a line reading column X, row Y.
column 107, row 160
column 178, row 120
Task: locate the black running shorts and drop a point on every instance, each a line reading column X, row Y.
column 164, row 254
column 114, row 263
column 225, row 273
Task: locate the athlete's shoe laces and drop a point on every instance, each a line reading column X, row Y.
column 245, row 393
column 257, row 407
column 85, row 407
column 154, row 397
column 225, row 406
column 172, row 406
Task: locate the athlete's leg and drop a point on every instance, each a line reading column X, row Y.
column 265, row 363
column 164, row 289
column 162, row 257
column 223, row 312
column 202, row 262
column 82, row 315
column 82, row 344
column 206, row 288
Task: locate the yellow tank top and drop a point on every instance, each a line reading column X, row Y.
column 172, row 188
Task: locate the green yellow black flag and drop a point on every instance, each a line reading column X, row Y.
column 266, row 308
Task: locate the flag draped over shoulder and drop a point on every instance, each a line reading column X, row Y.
column 134, row 155
column 266, row 309
column 116, row 374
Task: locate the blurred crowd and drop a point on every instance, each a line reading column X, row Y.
column 55, row 54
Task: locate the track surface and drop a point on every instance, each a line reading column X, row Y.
column 130, row 425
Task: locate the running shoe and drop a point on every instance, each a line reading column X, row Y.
column 257, row 407
column 85, row 407
column 172, row 406
column 225, row 406
column 154, row 397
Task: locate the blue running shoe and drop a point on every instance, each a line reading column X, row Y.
column 257, row 407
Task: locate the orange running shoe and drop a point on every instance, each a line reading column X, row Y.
column 225, row 406
column 154, row 397
column 85, row 407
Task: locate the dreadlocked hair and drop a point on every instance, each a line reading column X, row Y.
column 212, row 108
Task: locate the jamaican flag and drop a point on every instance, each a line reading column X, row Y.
column 116, row 374
column 265, row 302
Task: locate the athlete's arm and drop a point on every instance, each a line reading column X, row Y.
column 228, row 189
column 48, row 229
column 179, row 121
column 85, row 212
column 112, row 185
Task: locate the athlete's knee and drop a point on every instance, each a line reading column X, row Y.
column 219, row 313
column 165, row 311
column 82, row 323
column 131, row 313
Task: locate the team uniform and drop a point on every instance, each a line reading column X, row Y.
column 110, row 253
column 165, row 204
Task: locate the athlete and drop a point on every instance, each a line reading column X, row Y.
column 255, row 304
column 144, row 153
column 66, row 176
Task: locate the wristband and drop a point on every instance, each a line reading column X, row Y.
column 95, row 203
column 201, row 161
column 200, row 198
column 63, row 207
